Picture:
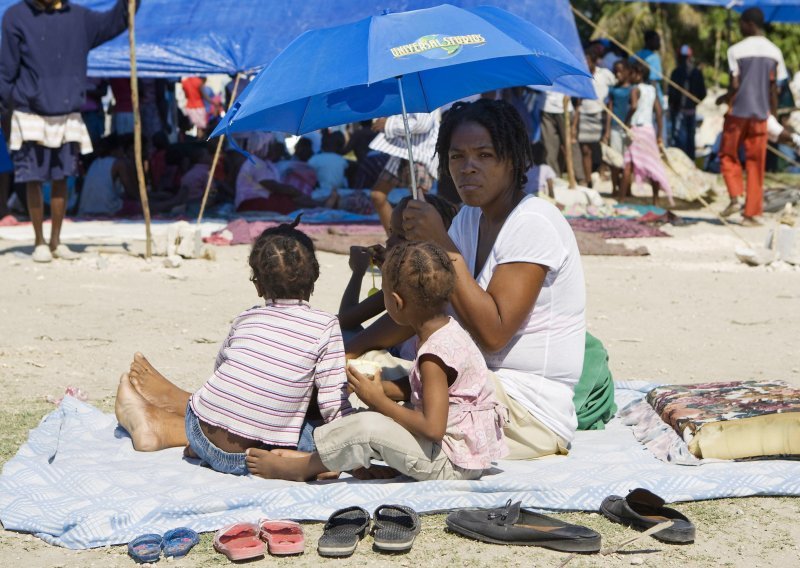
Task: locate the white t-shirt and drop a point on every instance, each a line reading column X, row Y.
column 554, row 103
column 542, row 363
column 603, row 80
column 330, row 168
column 538, row 176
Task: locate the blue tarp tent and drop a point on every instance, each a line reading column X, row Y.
column 777, row 11
column 201, row 37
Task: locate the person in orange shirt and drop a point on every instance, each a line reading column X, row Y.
column 195, row 103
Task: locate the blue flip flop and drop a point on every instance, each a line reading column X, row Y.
column 146, row 548
column 178, row 542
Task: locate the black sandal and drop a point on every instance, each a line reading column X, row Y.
column 395, row 529
column 342, row 532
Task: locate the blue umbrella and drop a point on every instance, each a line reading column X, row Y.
column 397, row 63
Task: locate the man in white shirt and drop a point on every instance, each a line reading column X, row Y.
column 756, row 66
column 554, row 135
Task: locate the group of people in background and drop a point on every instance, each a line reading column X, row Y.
column 66, row 134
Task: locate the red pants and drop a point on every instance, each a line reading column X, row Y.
column 753, row 134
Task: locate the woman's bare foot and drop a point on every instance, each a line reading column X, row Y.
column 151, row 428
column 271, row 465
column 156, row 388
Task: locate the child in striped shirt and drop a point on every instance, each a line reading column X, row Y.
column 276, row 359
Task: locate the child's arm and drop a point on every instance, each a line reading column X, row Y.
column 632, row 107
column 659, row 115
column 431, row 421
column 353, row 312
column 329, row 375
column 609, row 112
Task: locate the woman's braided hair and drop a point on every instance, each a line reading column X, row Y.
column 509, row 136
column 283, row 262
column 422, row 270
column 446, row 209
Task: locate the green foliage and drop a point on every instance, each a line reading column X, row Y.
column 708, row 30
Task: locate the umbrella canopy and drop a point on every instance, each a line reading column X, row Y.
column 348, row 73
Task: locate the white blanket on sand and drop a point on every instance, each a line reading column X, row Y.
column 78, row 483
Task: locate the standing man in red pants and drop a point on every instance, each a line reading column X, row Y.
column 756, row 65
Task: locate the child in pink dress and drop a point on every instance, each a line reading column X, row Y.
column 453, row 426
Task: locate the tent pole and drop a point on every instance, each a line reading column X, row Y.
column 568, row 145
column 216, row 154
column 137, row 128
column 411, row 169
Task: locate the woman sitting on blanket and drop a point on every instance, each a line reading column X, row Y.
column 352, row 312
column 276, row 358
column 519, row 287
column 452, row 428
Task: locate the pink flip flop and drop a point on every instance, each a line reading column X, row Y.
column 239, row 541
column 282, row 537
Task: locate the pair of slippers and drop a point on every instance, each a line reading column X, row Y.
column 243, row 541
column 642, row 510
column 394, row 529
column 175, row 543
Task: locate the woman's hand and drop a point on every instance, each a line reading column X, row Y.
column 421, row 222
column 368, row 388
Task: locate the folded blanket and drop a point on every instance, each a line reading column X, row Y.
column 732, row 420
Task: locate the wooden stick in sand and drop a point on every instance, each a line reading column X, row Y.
column 623, row 544
column 220, row 141
column 568, row 145
column 137, row 128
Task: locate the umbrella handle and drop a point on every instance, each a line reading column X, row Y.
column 411, row 169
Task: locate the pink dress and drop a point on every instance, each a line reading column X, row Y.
column 474, row 435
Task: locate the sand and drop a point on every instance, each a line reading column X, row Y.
column 688, row 312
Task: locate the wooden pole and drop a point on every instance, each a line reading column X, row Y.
column 137, row 128
column 216, row 154
column 568, row 145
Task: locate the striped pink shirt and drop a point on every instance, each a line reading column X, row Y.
column 266, row 370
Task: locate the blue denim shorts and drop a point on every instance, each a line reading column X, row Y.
column 208, row 453
column 226, row 462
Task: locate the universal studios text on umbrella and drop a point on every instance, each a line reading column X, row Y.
column 449, row 45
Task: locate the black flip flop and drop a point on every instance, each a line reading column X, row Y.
column 395, row 528
column 342, row 532
column 513, row 525
column 643, row 509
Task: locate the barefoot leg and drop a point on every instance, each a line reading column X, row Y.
column 156, row 388
column 150, row 427
column 269, row 465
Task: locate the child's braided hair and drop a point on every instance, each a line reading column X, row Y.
column 422, row 270
column 283, row 262
column 509, row 136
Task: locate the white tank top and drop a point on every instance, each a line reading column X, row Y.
column 644, row 107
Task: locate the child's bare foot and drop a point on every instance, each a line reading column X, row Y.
column 375, row 472
column 156, row 388
column 271, row 465
column 324, row 476
column 133, row 414
column 188, row 452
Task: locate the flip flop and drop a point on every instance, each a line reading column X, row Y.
column 342, row 532
column 395, row 528
column 178, row 542
column 239, row 541
column 282, row 537
column 146, row 548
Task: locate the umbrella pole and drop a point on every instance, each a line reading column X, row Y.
column 216, row 155
column 568, row 145
column 137, row 128
column 411, row 169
